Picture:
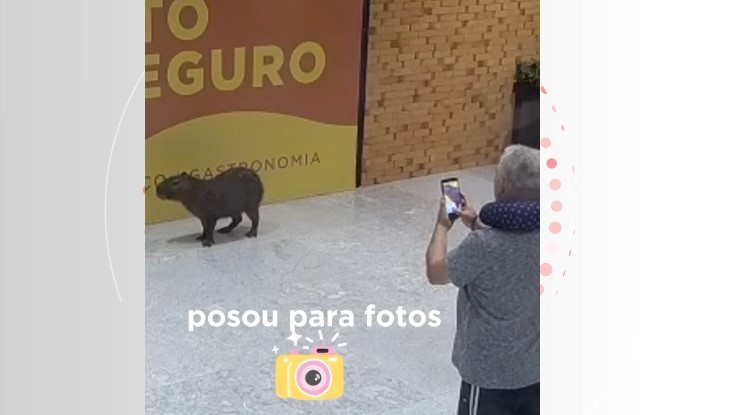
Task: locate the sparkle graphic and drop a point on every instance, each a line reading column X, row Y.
column 342, row 345
column 275, row 349
column 321, row 336
column 294, row 338
column 309, row 340
column 335, row 337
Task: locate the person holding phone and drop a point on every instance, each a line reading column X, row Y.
column 497, row 341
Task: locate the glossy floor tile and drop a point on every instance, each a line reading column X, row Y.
column 340, row 251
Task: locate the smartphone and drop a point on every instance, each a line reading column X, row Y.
column 452, row 193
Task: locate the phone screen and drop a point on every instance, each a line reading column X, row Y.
column 452, row 193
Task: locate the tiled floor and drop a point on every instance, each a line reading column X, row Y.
column 341, row 251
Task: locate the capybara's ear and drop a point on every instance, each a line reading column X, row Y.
column 183, row 174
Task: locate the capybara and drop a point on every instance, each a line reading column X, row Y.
column 226, row 195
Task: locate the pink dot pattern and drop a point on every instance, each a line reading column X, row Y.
column 546, row 269
column 557, row 239
column 552, row 248
column 555, row 227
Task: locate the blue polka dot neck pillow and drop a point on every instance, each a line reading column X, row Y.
column 512, row 216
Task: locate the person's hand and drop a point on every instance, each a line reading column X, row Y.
column 442, row 216
column 468, row 213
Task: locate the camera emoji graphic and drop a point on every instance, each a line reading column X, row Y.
column 316, row 376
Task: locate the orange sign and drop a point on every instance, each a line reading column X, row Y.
column 273, row 85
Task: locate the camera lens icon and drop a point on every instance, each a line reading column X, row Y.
column 313, row 378
column 318, row 375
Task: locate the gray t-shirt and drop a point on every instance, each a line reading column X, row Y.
column 497, row 340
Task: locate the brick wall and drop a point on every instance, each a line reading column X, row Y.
column 439, row 83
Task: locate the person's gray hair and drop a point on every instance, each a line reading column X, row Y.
column 518, row 174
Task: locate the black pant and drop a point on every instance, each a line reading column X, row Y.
column 480, row 401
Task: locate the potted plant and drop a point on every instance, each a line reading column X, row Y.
column 526, row 124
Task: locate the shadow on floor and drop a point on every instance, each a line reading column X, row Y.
column 236, row 235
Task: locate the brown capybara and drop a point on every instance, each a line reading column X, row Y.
column 226, row 195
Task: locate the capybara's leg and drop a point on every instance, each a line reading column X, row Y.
column 208, row 231
column 254, row 214
column 202, row 237
column 236, row 219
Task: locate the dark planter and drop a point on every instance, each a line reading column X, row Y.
column 526, row 124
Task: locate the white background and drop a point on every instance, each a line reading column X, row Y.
column 645, row 322
column 648, row 323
